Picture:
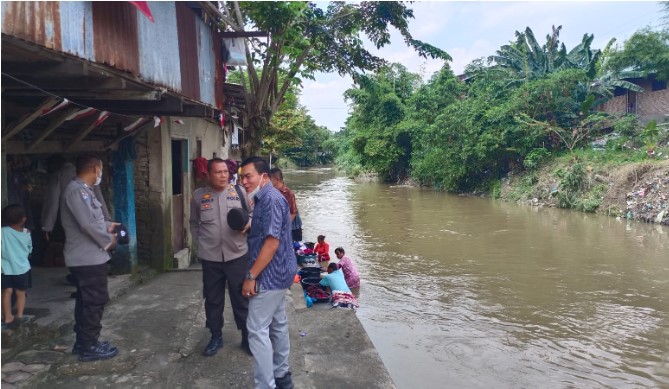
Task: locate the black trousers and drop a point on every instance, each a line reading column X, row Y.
column 91, row 297
column 214, row 277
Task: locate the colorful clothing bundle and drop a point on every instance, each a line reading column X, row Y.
column 344, row 300
column 317, row 293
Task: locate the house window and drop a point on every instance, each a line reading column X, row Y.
column 619, row 91
column 659, row 85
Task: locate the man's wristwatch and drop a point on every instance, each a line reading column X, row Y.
column 250, row 276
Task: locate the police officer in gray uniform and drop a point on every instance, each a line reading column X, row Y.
column 88, row 239
column 61, row 172
column 222, row 251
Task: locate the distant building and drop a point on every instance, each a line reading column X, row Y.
column 652, row 103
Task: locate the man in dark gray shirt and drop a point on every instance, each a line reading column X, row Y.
column 88, row 239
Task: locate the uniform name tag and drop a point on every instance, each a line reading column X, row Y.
column 209, row 200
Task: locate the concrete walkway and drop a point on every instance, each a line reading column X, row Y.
column 158, row 326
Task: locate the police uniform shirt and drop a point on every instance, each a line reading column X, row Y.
column 86, row 236
column 215, row 240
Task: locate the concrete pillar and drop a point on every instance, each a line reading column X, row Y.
column 160, row 196
column 124, row 259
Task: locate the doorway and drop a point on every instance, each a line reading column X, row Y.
column 179, row 158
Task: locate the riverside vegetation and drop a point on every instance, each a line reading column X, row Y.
column 521, row 125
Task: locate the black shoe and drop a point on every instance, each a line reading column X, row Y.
column 245, row 342
column 98, row 351
column 79, row 347
column 212, row 347
column 71, row 279
column 285, row 382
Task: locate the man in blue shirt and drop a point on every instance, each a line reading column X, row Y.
column 271, row 272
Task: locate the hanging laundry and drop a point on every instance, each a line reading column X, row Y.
column 200, row 167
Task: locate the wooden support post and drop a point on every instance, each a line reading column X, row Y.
column 82, row 133
column 129, row 134
column 53, row 125
column 29, row 118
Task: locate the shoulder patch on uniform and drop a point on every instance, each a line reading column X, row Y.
column 206, row 196
column 84, row 194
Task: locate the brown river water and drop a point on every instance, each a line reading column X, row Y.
column 462, row 292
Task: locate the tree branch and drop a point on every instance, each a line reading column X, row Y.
column 289, row 77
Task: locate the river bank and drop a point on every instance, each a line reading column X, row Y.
column 636, row 191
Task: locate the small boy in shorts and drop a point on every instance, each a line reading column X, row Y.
column 16, row 246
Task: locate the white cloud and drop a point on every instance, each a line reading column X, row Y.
column 463, row 56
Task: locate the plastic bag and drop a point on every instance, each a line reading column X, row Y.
column 236, row 48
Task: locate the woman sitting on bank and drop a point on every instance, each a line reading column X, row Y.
column 351, row 274
column 339, row 292
column 322, row 249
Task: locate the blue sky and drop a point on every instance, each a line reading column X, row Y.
column 468, row 30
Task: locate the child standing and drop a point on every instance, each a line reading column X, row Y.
column 16, row 246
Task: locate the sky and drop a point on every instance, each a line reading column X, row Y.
column 468, row 30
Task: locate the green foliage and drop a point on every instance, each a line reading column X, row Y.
column 647, row 51
column 650, row 134
column 496, row 189
column 293, row 133
column 570, row 184
column 592, row 200
column 517, row 109
column 627, row 125
column 536, row 157
column 304, row 39
column 525, row 60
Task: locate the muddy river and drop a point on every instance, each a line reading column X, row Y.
column 473, row 293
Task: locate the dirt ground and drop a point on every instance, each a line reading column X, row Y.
column 638, row 191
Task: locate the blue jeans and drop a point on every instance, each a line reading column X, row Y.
column 268, row 336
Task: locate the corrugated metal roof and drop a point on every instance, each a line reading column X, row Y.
column 207, row 63
column 220, row 76
column 188, row 51
column 37, row 22
column 115, row 35
column 76, row 20
column 179, row 51
column 159, row 46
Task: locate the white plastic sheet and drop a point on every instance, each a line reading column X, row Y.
column 237, row 49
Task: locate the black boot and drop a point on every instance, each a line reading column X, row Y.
column 214, row 344
column 245, row 341
column 97, row 351
column 285, row 382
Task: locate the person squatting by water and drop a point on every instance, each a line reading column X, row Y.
column 222, row 251
column 271, row 272
column 276, row 176
column 16, row 247
column 351, row 274
column 322, row 249
column 340, row 293
column 88, row 239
